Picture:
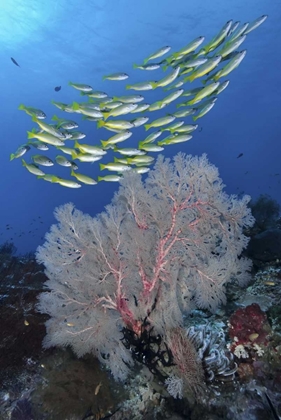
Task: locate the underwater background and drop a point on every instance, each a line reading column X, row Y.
column 55, row 42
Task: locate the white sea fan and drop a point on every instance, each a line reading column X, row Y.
column 162, row 247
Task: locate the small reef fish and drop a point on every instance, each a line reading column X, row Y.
column 84, row 178
column 33, row 169
column 159, row 53
column 19, row 152
column 81, row 87
column 33, row 112
column 42, row 160
column 116, row 76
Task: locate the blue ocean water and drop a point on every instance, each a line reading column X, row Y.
column 58, row 41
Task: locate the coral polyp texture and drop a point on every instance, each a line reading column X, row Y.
column 161, row 248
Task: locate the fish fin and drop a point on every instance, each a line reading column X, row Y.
column 12, row 156
column 55, row 118
column 22, row 107
column 76, row 144
column 195, row 118
column 128, row 87
column 104, row 77
column 159, row 103
column 34, row 119
column 100, row 178
column 72, row 173
column 145, row 61
column 24, row 162
column 102, row 166
column 74, row 155
column 147, row 127
column 104, row 143
column 135, row 66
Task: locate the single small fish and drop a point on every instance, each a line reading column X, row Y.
column 173, row 126
column 86, row 157
column 120, row 110
column 116, row 76
column 151, row 147
column 255, row 24
column 84, row 178
column 156, row 106
column 152, row 137
column 61, row 160
column 172, row 97
column 204, row 110
column 206, row 91
column 65, row 182
column 168, row 79
column 81, row 87
column 218, row 39
column 240, row 155
column 188, row 48
column 184, row 113
column 129, row 99
column 33, row 169
column 42, row 160
column 204, row 69
column 160, row 122
column 187, row 128
column 148, row 67
column 95, row 94
column 45, row 138
column 116, row 124
column 57, row 88
column 114, row 166
column 159, row 53
column 174, row 139
column 77, row 135
column 14, row 61
column 33, row 112
column 87, row 110
column 19, row 152
column 117, row 138
column 129, row 151
column 38, row 145
column 63, row 123
column 110, row 178
column 139, row 121
column 142, row 159
column 140, row 108
column 140, row 169
column 87, row 148
column 49, row 129
column 231, row 65
column 140, row 86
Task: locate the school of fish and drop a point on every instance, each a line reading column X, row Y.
column 217, row 59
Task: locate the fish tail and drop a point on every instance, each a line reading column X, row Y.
column 12, row 156
column 104, row 77
column 75, row 106
column 128, row 87
column 100, row 124
column 145, row 61
column 30, row 135
column 102, row 166
column 147, row 127
column 22, row 107
column 106, row 115
column 135, row 66
column 195, row 118
column 104, row 143
column 154, row 85
column 100, row 178
column 23, row 162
